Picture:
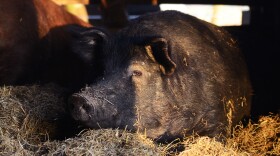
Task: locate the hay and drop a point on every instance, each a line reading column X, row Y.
column 31, row 117
column 197, row 146
column 28, row 116
column 262, row 138
column 106, row 142
column 29, row 125
column 31, row 110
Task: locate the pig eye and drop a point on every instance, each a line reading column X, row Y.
column 137, row 73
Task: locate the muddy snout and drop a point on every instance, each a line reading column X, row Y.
column 93, row 112
column 79, row 107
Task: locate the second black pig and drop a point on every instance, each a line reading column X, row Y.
column 168, row 75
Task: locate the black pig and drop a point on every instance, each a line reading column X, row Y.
column 168, row 75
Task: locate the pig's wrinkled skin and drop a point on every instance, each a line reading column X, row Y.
column 168, row 75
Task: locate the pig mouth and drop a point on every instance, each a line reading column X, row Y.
column 94, row 112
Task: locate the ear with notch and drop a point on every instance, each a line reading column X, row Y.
column 158, row 50
column 86, row 42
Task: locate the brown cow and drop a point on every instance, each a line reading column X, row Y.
column 36, row 43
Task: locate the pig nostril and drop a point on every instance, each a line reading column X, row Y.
column 77, row 102
column 85, row 107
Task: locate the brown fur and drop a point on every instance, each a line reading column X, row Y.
column 31, row 33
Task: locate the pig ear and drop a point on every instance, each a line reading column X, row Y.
column 86, row 42
column 157, row 49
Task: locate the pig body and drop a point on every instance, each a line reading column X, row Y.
column 168, row 74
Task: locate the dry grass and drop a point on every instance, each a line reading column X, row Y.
column 262, row 138
column 257, row 139
column 106, row 142
column 197, row 146
column 30, row 117
column 29, row 121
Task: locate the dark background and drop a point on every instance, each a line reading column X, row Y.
column 258, row 41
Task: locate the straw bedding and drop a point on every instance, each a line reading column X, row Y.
column 34, row 121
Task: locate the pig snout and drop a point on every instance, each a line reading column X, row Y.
column 79, row 108
column 94, row 112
